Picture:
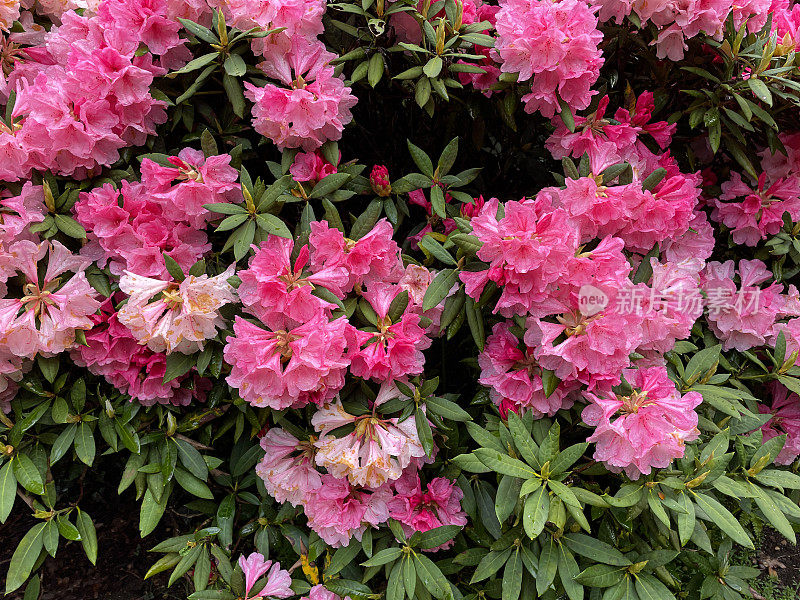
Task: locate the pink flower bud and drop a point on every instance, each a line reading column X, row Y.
column 379, row 179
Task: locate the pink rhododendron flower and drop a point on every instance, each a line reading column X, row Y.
column 19, row 212
column 278, row 580
column 417, row 510
column 320, row 592
column 175, row 317
column 556, row 45
column 760, row 211
column 645, row 429
column 515, row 377
column 300, row 17
column 281, row 369
column 198, row 181
column 46, row 317
column 9, row 12
column 376, row 451
column 314, row 106
column 526, row 250
column 395, row 349
column 375, row 257
column 310, row 166
column 113, row 353
column 128, row 228
column 741, row 316
column 288, row 467
column 281, row 294
column 338, row 512
column 785, row 411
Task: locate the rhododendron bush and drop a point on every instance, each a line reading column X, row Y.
column 435, row 300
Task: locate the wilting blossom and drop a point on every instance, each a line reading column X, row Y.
column 288, row 467
column 420, row 509
column 278, row 583
column 287, row 368
column 645, row 429
column 375, row 452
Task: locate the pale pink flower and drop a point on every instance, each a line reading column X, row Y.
column 645, row 429
column 278, row 580
column 21, row 211
column 9, row 12
column 175, row 317
column 282, row 369
column 338, row 512
column 320, row 592
column 287, row 468
column 376, row 451
column 417, row 510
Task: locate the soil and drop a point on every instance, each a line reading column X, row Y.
column 779, row 559
column 122, row 558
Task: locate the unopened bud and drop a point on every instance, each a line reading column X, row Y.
column 379, row 180
column 440, row 37
column 172, row 424
column 49, row 201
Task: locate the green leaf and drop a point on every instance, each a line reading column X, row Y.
column 601, row 576
column 366, row 221
column 152, row 510
column 27, row 474
column 395, row 588
column 235, row 65
column 437, row 536
column 173, row 268
column 566, row 115
column 523, row 440
column 447, row 409
column 778, row 478
column 595, row 549
column 537, row 508
column 475, row 321
column 502, row 463
column 686, row 520
column 424, row 431
column 568, row 570
column 508, row 492
column 433, row 67
column 88, row 535
column 774, row 515
column 449, row 154
column 760, row 89
column 192, row 484
column 347, row 587
column 69, row 226
column 329, row 184
column 375, row 69
column 567, row 457
column 343, row 557
column 409, row 576
column 84, row 444
column 512, row 577
column 67, row 529
column 233, row 89
column 439, row 288
column 8, row 490
column 722, row 518
column 197, row 63
column 650, row 588
column 432, row 578
column 421, row 159
column 490, row 564
column 437, row 250
column 199, row 31
column 178, row 364
column 24, row 557
column 652, row 180
column 548, row 566
column 702, row 362
column 192, row 459
column 380, row 558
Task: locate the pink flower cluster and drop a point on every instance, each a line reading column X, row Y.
column 785, row 420
column 83, row 93
column 114, row 353
column 310, row 106
column 643, row 429
column 755, row 211
column 555, row 44
column 679, row 21
column 133, row 227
